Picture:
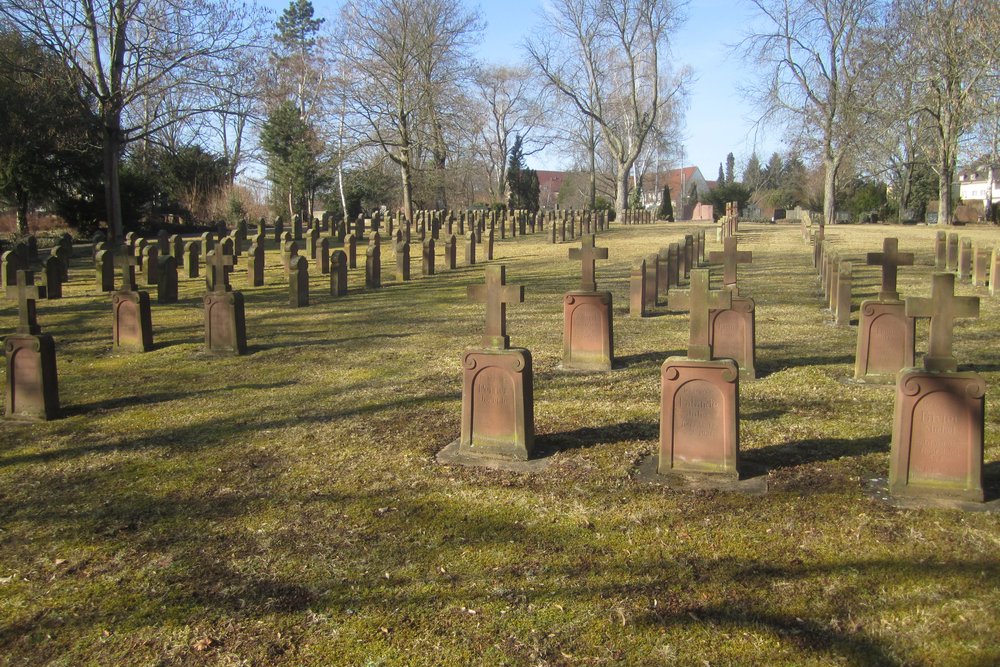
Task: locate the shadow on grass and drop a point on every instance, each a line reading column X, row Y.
column 584, row 438
column 815, row 451
column 148, row 399
column 629, row 360
column 770, row 367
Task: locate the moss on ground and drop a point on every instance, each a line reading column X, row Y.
column 284, row 508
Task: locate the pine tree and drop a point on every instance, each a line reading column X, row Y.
column 721, row 179
column 666, row 211
column 730, row 167
column 516, row 184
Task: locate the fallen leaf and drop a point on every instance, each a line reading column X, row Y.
column 202, row 644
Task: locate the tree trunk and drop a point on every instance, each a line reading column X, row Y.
column 829, row 190
column 22, row 212
column 340, row 187
column 112, row 184
column 404, row 171
column 905, row 186
column 621, row 190
column 944, row 195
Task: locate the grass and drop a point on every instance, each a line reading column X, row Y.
column 284, row 508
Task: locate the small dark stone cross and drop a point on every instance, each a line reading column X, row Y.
column 496, row 294
column 890, row 259
column 731, row 258
column 26, row 293
column 699, row 300
column 587, row 254
column 943, row 308
column 218, row 265
column 126, row 261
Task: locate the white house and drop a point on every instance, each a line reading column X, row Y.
column 980, row 184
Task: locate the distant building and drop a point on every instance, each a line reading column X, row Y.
column 980, row 186
column 680, row 182
column 549, row 183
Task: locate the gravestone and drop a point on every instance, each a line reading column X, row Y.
column 150, row 265
column 965, row 260
column 163, row 242
column 402, row 262
column 937, row 434
column 132, row 318
column 255, row 263
column 166, row 288
column 995, row 271
column 427, row 256
column 470, row 249
column 497, row 396
column 941, row 251
column 451, row 252
column 322, row 256
column 699, row 413
column 637, row 290
column 588, row 329
column 338, row 273
column 104, row 269
column 289, row 251
column 673, row 266
column 207, row 243
column 191, row 259
column 53, row 272
column 842, row 298
column 32, row 386
column 952, row 255
column 62, row 255
column 731, row 258
column 351, row 250
column 885, row 333
column 279, row 230
column 980, row 266
column 373, row 263
column 688, row 250
column 488, row 245
column 312, row 242
column 296, row 227
column 652, row 280
column 663, row 271
column 176, row 248
column 298, row 282
column 225, row 318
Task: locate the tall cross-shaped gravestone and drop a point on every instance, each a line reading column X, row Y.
column 731, row 258
column 588, row 253
column 943, row 308
column 26, row 294
column 126, row 261
column 32, row 388
column 890, row 259
column 699, row 300
column 218, row 265
column 496, row 294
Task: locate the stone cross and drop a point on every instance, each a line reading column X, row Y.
column 26, row 293
column 587, row 253
column 890, row 259
column 496, row 294
column 126, row 261
column 699, row 300
column 731, row 258
column 217, row 267
column 943, row 308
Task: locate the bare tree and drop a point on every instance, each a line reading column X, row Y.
column 512, row 107
column 953, row 53
column 816, row 57
column 126, row 51
column 604, row 57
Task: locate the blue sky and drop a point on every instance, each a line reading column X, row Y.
column 718, row 120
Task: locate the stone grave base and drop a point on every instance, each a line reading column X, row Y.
column 732, row 335
column 878, row 488
column 937, row 436
column 588, row 331
column 885, row 342
column 752, row 480
column 453, row 455
column 32, row 387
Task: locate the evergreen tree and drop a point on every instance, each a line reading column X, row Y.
column 292, row 151
column 721, row 178
column 730, row 168
column 666, row 210
column 518, row 182
column 753, row 177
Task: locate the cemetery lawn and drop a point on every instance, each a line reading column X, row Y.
column 285, row 508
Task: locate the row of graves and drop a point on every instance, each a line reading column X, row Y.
column 938, row 422
column 123, row 271
column 937, row 443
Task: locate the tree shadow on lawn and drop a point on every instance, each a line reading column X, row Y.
column 73, row 410
column 644, row 358
column 768, row 367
